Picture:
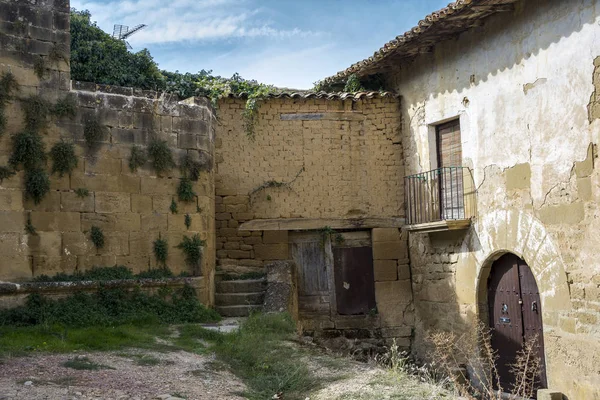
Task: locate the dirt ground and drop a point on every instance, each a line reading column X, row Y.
column 144, row 374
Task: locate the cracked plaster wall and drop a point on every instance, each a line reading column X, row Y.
column 525, row 86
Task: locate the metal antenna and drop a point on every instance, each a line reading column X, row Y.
column 122, row 32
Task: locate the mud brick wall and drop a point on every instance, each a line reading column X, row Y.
column 336, row 158
column 132, row 208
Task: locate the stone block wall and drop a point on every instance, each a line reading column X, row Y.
column 132, row 208
column 308, row 158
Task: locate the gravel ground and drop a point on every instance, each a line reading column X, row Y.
column 178, row 374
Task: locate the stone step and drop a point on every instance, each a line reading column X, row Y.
column 237, row 311
column 239, row 299
column 241, row 286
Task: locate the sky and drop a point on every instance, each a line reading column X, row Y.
column 286, row 43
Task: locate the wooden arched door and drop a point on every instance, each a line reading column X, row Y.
column 515, row 313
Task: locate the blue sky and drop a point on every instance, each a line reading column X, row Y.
column 287, row 43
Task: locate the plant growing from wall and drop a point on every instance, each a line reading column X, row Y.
column 65, row 107
column 36, row 110
column 8, row 85
column 161, row 156
column 137, row 158
column 39, row 67
column 198, row 209
column 63, row 157
column 29, row 228
column 93, row 133
column 191, row 168
column 161, row 251
column 37, row 184
column 97, row 237
column 353, row 84
column 192, row 249
column 274, row 184
column 185, row 191
column 82, row 192
column 173, row 206
column 6, row 172
column 28, row 150
column 326, row 232
column 187, row 221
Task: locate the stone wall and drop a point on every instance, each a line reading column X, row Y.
column 524, row 87
column 132, row 208
column 336, row 158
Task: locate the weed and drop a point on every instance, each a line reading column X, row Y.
column 353, row 84
column 161, row 251
column 5, row 173
column 39, row 67
column 187, row 221
column 82, row 193
column 65, row 107
column 275, row 184
column 192, row 249
column 36, row 110
column 185, row 190
column 28, row 150
column 173, row 207
column 29, row 228
column 84, row 363
column 198, row 209
column 269, row 198
column 97, row 237
column 137, row 158
column 118, row 272
column 326, row 232
column 58, row 52
column 108, row 308
column 93, row 133
column 37, row 184
column 161, row 156
column 63, row 157
column 190, row 168
column 8, row 85
column 156, row 273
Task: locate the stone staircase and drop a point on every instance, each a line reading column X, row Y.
column 238, row 298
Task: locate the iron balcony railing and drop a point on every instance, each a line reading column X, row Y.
column 446, row 193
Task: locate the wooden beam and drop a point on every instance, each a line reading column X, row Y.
column 440, row 226
column 299, row 224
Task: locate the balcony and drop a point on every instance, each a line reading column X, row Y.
column 440, row 200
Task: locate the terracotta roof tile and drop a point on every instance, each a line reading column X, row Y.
column 320, row 95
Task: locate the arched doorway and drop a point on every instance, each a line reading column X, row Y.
column 515, row 315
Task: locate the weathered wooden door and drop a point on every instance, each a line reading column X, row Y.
column 515, row 315
column 308, row 251
column 354, row 280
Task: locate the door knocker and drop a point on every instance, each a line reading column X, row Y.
column 534, row 306
column 504, row 308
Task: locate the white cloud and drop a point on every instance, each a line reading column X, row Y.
column 185, row 20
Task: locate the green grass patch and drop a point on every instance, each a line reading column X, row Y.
column 147, row 360
column 84, row 363
column 117, row 272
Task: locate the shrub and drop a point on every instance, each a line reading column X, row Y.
column 161, row 250
column 6, row 172
column 36, row 111
column 192, row 249
column 137, row 158
column 65, row 107
column 187, row 221
column 185, row 190
column 28, row 150
column 37, row 184
column 173, row 207
column 156, row 273
column 190, row 168
column 97, row 237
column 82, row 193
column 93, row 133
column 110, row 307
column 63, row 157
column 161, row 156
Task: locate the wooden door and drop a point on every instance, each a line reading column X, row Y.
column 449, row 158
column 354, row 280
column 515, row 315
column 308, row 250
